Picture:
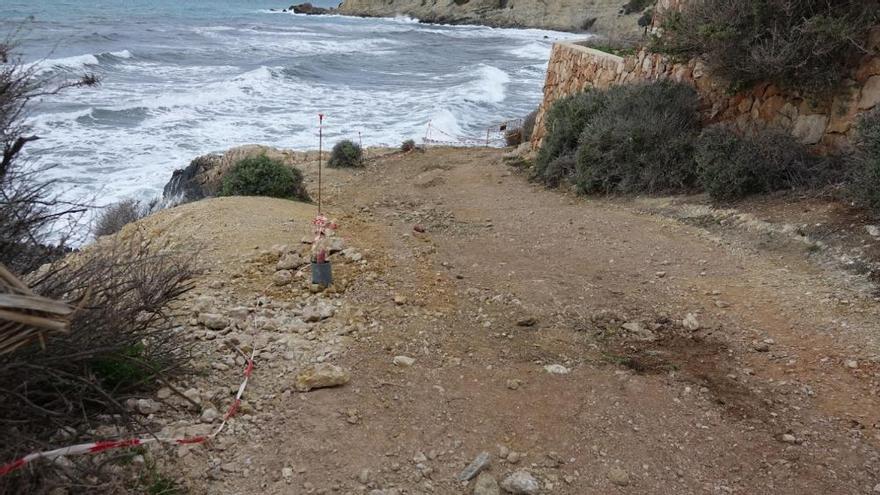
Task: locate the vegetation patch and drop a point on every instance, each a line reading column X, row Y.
column 641, row 140
column 346, row 154
column 807, row 45
column 263, row 176
column 116, row 216
column 865, row 163
column 731, row 166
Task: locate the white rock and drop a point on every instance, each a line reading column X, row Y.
column 147, row 406
column 618, row 476
column 164, row 393
column 852, row 363
column 209, row 415
column 873, row 231
column 789, row 438
column 690, row 322
column 486, row 485
column 404, row 361
column 557, row 369
column 521, row 483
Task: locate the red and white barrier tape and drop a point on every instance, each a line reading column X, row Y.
column 101, row 446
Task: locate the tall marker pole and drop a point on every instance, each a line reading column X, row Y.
column 320, row 155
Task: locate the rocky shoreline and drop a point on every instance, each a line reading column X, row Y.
column 605, row 17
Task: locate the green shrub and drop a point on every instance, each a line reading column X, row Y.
column 262, row 176
column 564, row 123
column 805, row 44
column 408, row 145
column 346, row 153
column 640, row 140
column 731, row 166
column 865, row 186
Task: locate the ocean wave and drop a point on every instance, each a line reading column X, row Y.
column 78, row 62
column 491, row 85
column 533, row 50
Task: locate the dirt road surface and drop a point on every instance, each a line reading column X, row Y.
column 600, row 349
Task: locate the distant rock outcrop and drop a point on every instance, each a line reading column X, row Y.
column 601, row 16
column 309, row 9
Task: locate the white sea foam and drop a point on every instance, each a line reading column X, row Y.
column 77, row 62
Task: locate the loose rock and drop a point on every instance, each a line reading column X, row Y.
column 282, row 278
column 521, row 483
column 480, row 463
column 486, row 485
column 322, row 375
column 318, row 312
column 404, row 361
column 557, row 369
column 618, row 476
column 290, row 261
column 690, row 322
column 213, row 321
column 529, row 321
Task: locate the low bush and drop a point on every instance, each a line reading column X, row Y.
column 118, row 215
column 513, row 137
column 408, row 145
column 731, row 166
column 865, row 163
column 808, row 45
column 564, row 123
column 633, row 6
column 640, row 140
column 346, row 154
column 262, row 176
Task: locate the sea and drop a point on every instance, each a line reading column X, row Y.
column 182, row 78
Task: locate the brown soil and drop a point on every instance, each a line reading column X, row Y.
column 681, row 410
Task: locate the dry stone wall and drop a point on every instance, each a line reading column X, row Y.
column 827, row 124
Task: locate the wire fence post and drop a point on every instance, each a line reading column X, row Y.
column 320, row 155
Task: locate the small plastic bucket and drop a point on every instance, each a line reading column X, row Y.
column 322, row 274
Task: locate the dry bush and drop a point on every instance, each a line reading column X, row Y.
column 118, row 215
column 807, row 45
column 865, row 163
column 121, row 341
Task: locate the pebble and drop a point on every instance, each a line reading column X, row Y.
column 852, row 364
column 322, row 375
column 618, row 476
column 877, row 488
column 290, row 261
column 282, row 278
column 514, row 457
column 513, row 384
column 163, row 393
column 318, row 312
column 761, row 346
column 521, row 483
column 213, row 321
column 404, row 361
column 480, row 463
column 557, row 369
column 400, row 300
column 529, row 321
column 486, row 485
column 873, row 231
column 789, row 438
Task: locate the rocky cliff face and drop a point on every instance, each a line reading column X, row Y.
column 601, row 16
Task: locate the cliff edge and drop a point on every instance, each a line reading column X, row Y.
column 601, row 16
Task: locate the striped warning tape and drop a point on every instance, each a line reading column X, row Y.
column 103, row 445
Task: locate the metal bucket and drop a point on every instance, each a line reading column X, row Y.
column 322, row 274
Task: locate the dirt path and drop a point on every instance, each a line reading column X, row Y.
column 692, row 365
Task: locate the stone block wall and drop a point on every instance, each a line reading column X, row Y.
column 827, row 125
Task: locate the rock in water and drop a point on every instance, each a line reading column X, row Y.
column 486, row 485
column 321, row 375
column 480, row 463
column 521, row 483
